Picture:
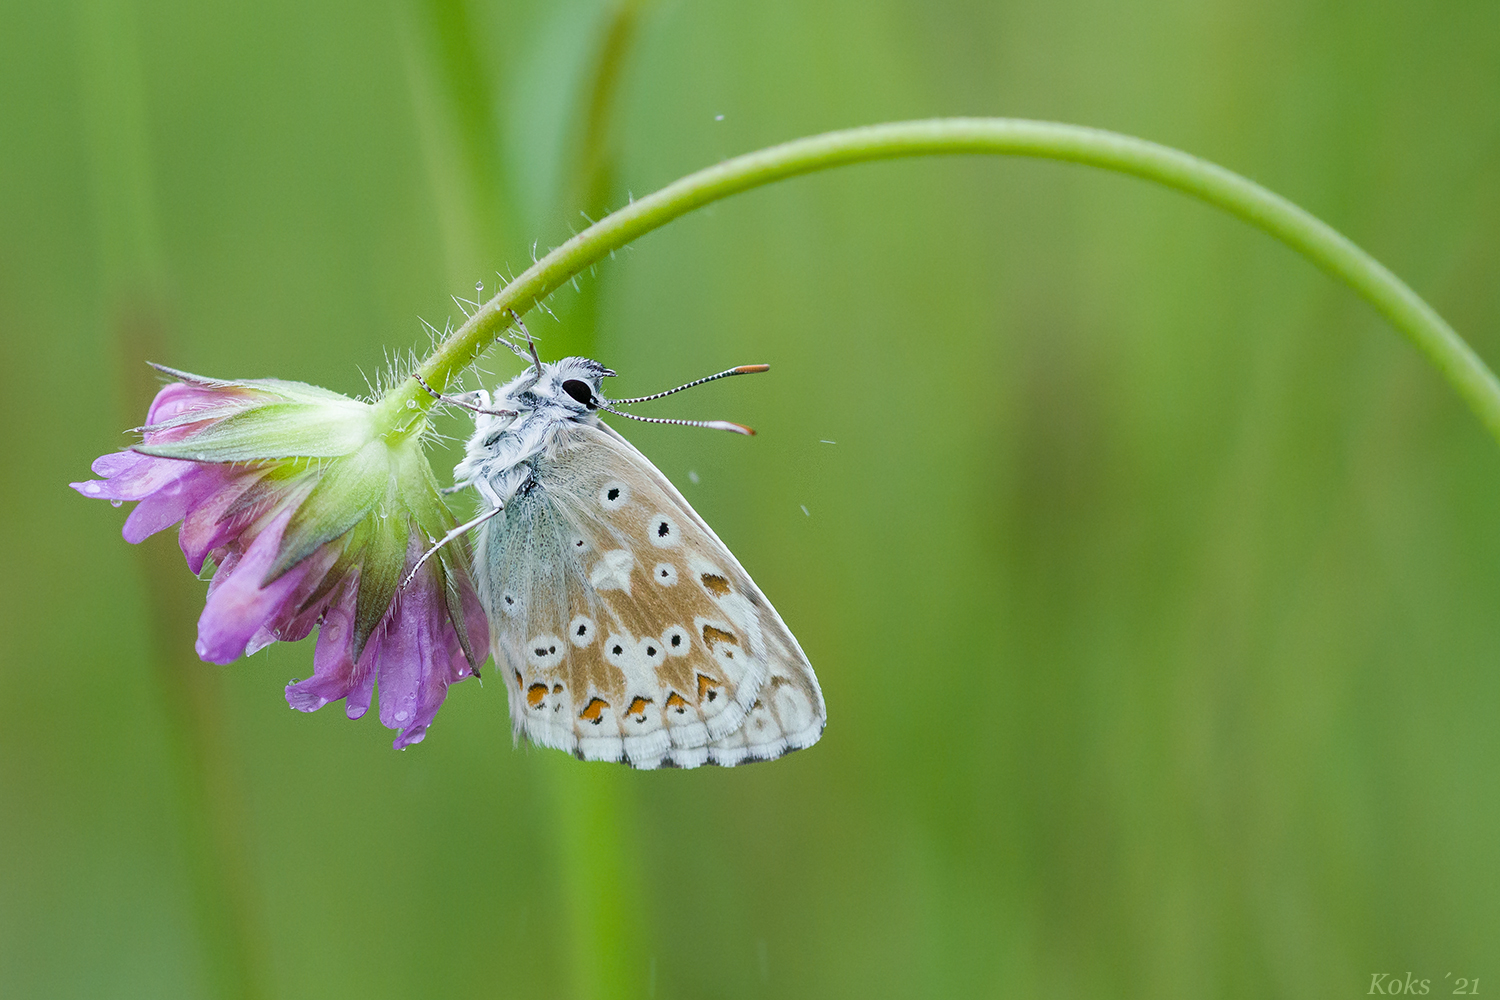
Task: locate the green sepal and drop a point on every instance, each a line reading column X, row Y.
column 344, row 494
column 380, row 574
column 274, row 485
column 276, row 430
column 304, row 392
column 435, row 520
column 453, row 572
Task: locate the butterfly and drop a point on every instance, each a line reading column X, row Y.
column 625, row 629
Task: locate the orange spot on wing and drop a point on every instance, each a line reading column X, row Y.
column 713, row 635
column 717, row 585
column 594, row 711
column 638, row 706
column 677, row 702
column 535, row 694
column 707, row 687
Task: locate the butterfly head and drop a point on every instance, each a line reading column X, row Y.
column 576, row 384
column 573, row 390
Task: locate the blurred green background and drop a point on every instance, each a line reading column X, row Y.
column 1153, row 582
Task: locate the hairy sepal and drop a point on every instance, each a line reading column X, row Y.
column 380, row 572
column 276, row 430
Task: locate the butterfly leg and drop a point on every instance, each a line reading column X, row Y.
column 478, row 394
column 457, row 532
column 488, row 492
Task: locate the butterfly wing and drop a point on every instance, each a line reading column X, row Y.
column 625, row 629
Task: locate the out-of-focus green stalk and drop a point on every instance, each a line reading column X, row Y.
column 1237, row 195
column 210, row 809
column 592, row 183
column 598, row 875
column 457, row 112
column 595, row 164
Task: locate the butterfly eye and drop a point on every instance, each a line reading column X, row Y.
column 580, row 391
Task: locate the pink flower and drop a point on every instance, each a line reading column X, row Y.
column 312, row 516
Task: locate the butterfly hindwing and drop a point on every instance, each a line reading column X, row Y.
column 624, row 627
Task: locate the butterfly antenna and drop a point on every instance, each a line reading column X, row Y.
column 717, row 425
column 741, row 370
column 530, row 344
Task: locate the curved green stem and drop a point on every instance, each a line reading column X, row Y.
column 1237, row 195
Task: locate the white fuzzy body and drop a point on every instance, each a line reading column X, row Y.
column 498, row 458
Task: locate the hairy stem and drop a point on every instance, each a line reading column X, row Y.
column 1237, row 195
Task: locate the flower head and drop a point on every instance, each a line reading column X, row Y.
column 312, row 515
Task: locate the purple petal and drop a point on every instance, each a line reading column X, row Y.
column 239, row 606
column 224, row 570
column 118, row 462
column 335, row 675
column 172, row 502
column 448, row 667
column 407, row 657
column 291, row 621
column 287, row 629
column 132, row 476
column 206, row 527
column 419, row 665
column 478, row 624
column 414, row 653
column 357, row 701
column 180, row 398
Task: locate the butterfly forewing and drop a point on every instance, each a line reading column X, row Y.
column 624, row 627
